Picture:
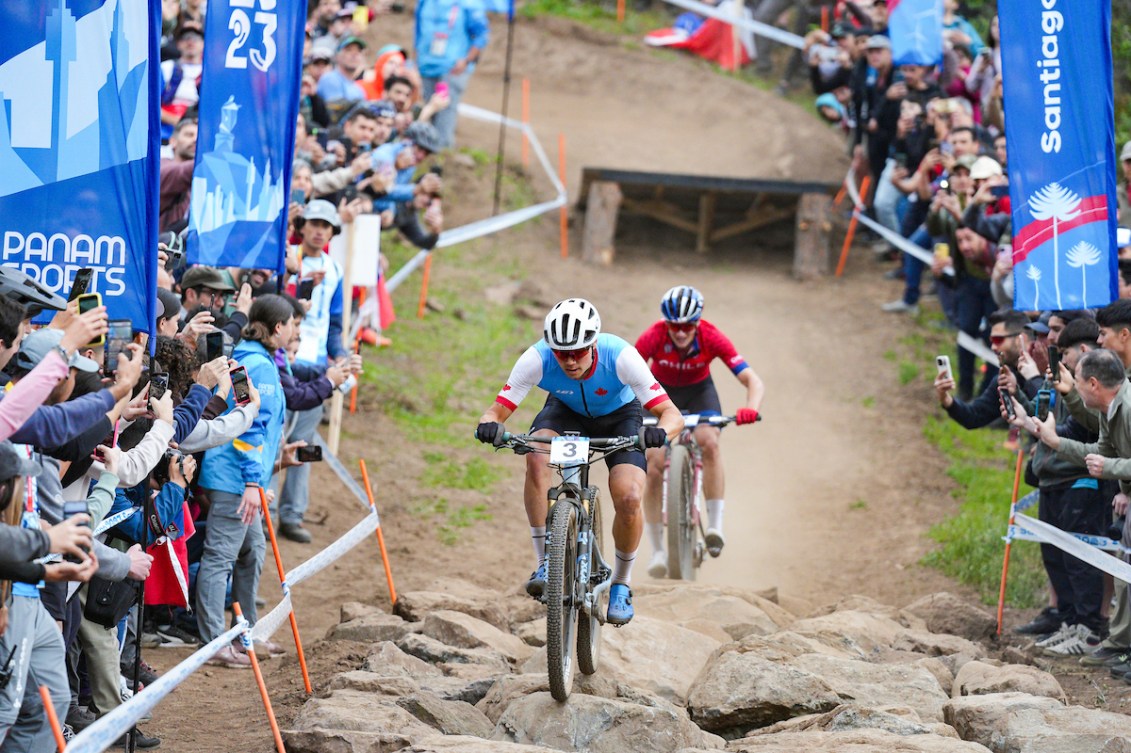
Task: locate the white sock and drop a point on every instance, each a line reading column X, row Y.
column 538, row 539
column 715, row 514
column 655, row 535
column 622, row 568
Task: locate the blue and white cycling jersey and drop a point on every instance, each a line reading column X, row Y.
column 619, row 374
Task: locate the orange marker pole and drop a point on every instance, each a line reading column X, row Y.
column 357, row 349
column 1008, row 544
column 620, row 11
column 525, row 121
column 424, row 287
column 52, row 717
column 283, row 580
column 840, row 194
column 825, row 18
column 262, row 686
column 565, row 210
column 851, row 230
column 380, row 536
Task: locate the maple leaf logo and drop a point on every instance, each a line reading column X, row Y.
column 655, row 387
column 601, row 391
column 506, row 387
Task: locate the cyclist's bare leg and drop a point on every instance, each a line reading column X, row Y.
column 707, row 437
column 654, row 512
column 626, row 487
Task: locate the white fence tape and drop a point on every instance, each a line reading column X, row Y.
column 756, row 27
column 490, row 225
column 1020, row 533
column 978, row 348
column 267, row 625
column 115, row 519
column 322, row 560
column 341, row 472
column 1067, row 542
column 106, row 731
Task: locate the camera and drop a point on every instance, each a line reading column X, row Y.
column 1115, row 530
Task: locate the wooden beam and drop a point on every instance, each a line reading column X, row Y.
column 660, row 212
column 812, row 250
column 706, row 222
column 766, row 217
column 600, row 223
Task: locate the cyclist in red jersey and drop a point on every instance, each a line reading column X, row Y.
column 681, row 347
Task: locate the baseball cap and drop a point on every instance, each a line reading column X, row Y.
column 321, row 52
column 189, row 27
column 966, row 161
column 382, row 108
column 38, row 344
column 320, row 209
column 208, row 277
column 985, row 167
column 13, row 464
column 1122, row 237
column 169, row 304
column 878, row 41
column 1126, row 153
column 351, row 39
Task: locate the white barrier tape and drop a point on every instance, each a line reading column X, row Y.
column 978, row 348
column 757, row 27
column 268, row 624
column 106, row 731
column 115, row 519
column 320, row 561
column 1103, row 543
column 1027, row 501
column 491, row 225
column 341, row 472
column 1066, row 542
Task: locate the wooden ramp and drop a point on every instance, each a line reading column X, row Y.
column 711, row 208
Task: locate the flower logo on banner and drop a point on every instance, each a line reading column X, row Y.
column 1034, row 274
column 1055, row 202
column 1081, row 256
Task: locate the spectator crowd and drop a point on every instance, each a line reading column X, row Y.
column 134, row 469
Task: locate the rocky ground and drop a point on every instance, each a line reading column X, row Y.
column 459, row 668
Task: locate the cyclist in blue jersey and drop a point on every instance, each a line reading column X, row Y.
column 597, row 384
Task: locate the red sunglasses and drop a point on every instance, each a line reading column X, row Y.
column 576, row 355
column 689, row 327
column 999, row 339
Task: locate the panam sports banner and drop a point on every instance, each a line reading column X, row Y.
column 1059, row 125
column 80, row 147
column 916, row 30
column 245, row 140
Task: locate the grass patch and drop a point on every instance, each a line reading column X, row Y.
column 860, row 504
column 868, row 401
column 601, row 16
column 908, row 372
column 476, row 474
column 451, row 521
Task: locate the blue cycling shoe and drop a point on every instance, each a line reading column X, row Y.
column 620, row 605
column 537, row 583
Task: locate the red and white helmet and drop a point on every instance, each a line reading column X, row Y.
column 572, row 324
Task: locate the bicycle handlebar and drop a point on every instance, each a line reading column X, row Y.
column 694, row 419
column 595, row 443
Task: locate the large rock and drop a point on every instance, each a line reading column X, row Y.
column 464, row 631
column 946, row 613
column 433, row 651
column 740, row 691
column 852, row 741
column 449, row 717
column 414, row 606
column 655, row 656
column 1021, row 723
column 509, row 688
column 371, row 682
column 532, row 633
column 979, row 678
column 853, row 716
column 852, row 631
column 874, row 685
column 372, row 628
column 706, row 609
column 463, row 744
column 936, row 644
column 600, row 725
column 351, row 722
column 389, row 660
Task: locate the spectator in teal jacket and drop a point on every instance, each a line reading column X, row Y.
column 450, row 37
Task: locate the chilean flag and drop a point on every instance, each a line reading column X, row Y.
column 1059, row 125
column 916, row 30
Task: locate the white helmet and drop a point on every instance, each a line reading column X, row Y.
column 572, row 324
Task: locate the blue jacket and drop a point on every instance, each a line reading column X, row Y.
column 55, row 425
column 445, row 31
column 250, row 459
column 305, row 386
column 168, row 505
column 187, row 415
column 404, row 187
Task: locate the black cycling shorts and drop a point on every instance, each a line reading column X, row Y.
column 623, row 422
column 701, row 398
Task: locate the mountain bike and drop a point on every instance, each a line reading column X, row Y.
column 577, row 578
column 683, row 499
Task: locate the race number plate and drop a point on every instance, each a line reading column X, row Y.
column 569, row 451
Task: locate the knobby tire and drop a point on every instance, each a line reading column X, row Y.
column 681, row 525
column 561, row 618
column 589, row 627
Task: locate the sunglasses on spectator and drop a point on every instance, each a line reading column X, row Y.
column 689, row 327
column 999, row 339
column 576, row 355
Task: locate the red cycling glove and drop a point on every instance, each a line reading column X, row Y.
column 745, row 416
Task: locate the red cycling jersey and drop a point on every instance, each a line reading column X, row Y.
column 675, row 369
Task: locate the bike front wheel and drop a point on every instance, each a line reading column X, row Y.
column 681, row 515
column 589, row 627
column 561, row 599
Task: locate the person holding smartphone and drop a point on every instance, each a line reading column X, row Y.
column 234, row 476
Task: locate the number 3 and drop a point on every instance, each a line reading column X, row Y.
column 241, row 25
column 570, row 449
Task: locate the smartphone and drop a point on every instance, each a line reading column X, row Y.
column 1007, row 401
column 89, row 302
column 442, row 87
column 81, row 283
column 1054, row 362
column 309, row 454
column 999, row 192
column 305, row 289
column 297, row 196
column 942, row 250
column 70, row 509
column 158, row 383
column 1044, row 402
column 943, row 364
column 239, row 386
column 213, row 346
column 110, row 441
column 121, row 334
column 944, row 186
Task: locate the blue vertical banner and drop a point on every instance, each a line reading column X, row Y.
column 916, row 30
column 80, row 147
column 1060, row 128
column 245, row 141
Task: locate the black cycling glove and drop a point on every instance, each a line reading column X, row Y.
column 490, row 433
column 654, row 436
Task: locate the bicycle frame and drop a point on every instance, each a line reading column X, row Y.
column 582, row 496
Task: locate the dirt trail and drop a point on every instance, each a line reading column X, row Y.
column 829, row 495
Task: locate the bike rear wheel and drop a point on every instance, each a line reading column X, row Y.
column 589, row 627
column 561, row 599
column 681, row 518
